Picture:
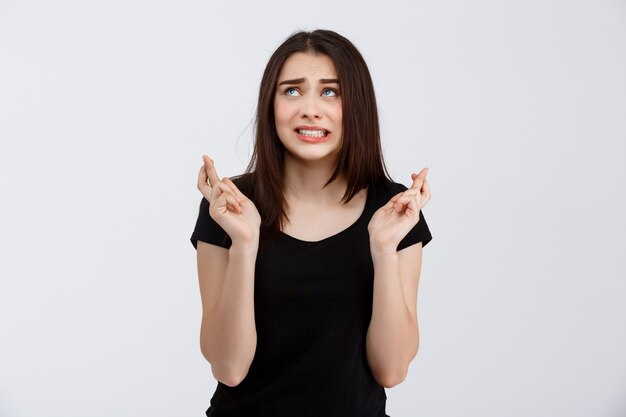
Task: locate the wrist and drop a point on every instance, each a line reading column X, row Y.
column 382, row 245
column 383, row 250
column 247, row 244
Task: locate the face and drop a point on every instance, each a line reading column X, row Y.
column 307, row 108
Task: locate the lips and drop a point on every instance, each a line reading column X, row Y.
column 311, row 131
column 313, row 135
column 317, row 133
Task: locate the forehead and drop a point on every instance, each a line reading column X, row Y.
column 308, row 65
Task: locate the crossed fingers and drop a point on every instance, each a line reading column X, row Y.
column 213, row 189
column 419, row 188
column 419, row 182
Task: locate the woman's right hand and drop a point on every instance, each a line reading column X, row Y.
column 228, row 206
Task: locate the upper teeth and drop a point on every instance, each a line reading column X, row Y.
column 318, row 133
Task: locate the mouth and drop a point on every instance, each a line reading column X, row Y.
column 312, row 133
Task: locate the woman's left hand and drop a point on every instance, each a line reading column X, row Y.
column 393, row 221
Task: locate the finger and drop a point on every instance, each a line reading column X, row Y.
column 393, row 200
column 232, row 185
column 230, row 189
column 233, row 203
column 226, row 201
column 408, row 202
column 411, row 192
column 426, row 193
column 225, row 187
column 220, row 187
column 202, row 178
column 426, row 188
column 202, row 184
column 400, row 205
column 418, row 179
column 207, row 190
column 219, row 202
column 210, row 170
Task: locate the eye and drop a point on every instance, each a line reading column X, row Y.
column 331, row 91
column 288, row 89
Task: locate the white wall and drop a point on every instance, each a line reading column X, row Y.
column 517, row 107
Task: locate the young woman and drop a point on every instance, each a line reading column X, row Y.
column 309, row 262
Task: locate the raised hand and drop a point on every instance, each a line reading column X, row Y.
column 391, row 223
column 228, row 206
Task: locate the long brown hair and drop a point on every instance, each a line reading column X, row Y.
column 360, row 159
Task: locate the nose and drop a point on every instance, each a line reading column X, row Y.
column 311, row 108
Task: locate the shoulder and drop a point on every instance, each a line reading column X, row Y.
column 387, row 188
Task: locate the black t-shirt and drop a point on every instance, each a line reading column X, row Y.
column 312, row 305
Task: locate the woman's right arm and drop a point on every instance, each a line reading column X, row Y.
column 226, row 277
column 228, row 332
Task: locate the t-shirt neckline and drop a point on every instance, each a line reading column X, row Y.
column 340, row 233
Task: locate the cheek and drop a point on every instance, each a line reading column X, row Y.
column 337, row 111
column 338, row 116
column 281, row 112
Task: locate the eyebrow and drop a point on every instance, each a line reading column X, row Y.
column 301, row 80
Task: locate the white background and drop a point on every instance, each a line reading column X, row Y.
column 517, row 107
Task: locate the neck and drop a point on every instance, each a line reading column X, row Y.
column 305, row 181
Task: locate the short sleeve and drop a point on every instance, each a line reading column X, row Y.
column 419, row 233
column 207, row 229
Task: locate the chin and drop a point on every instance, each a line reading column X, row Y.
column 313, row 156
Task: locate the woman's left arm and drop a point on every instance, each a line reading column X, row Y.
column 392, row 339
